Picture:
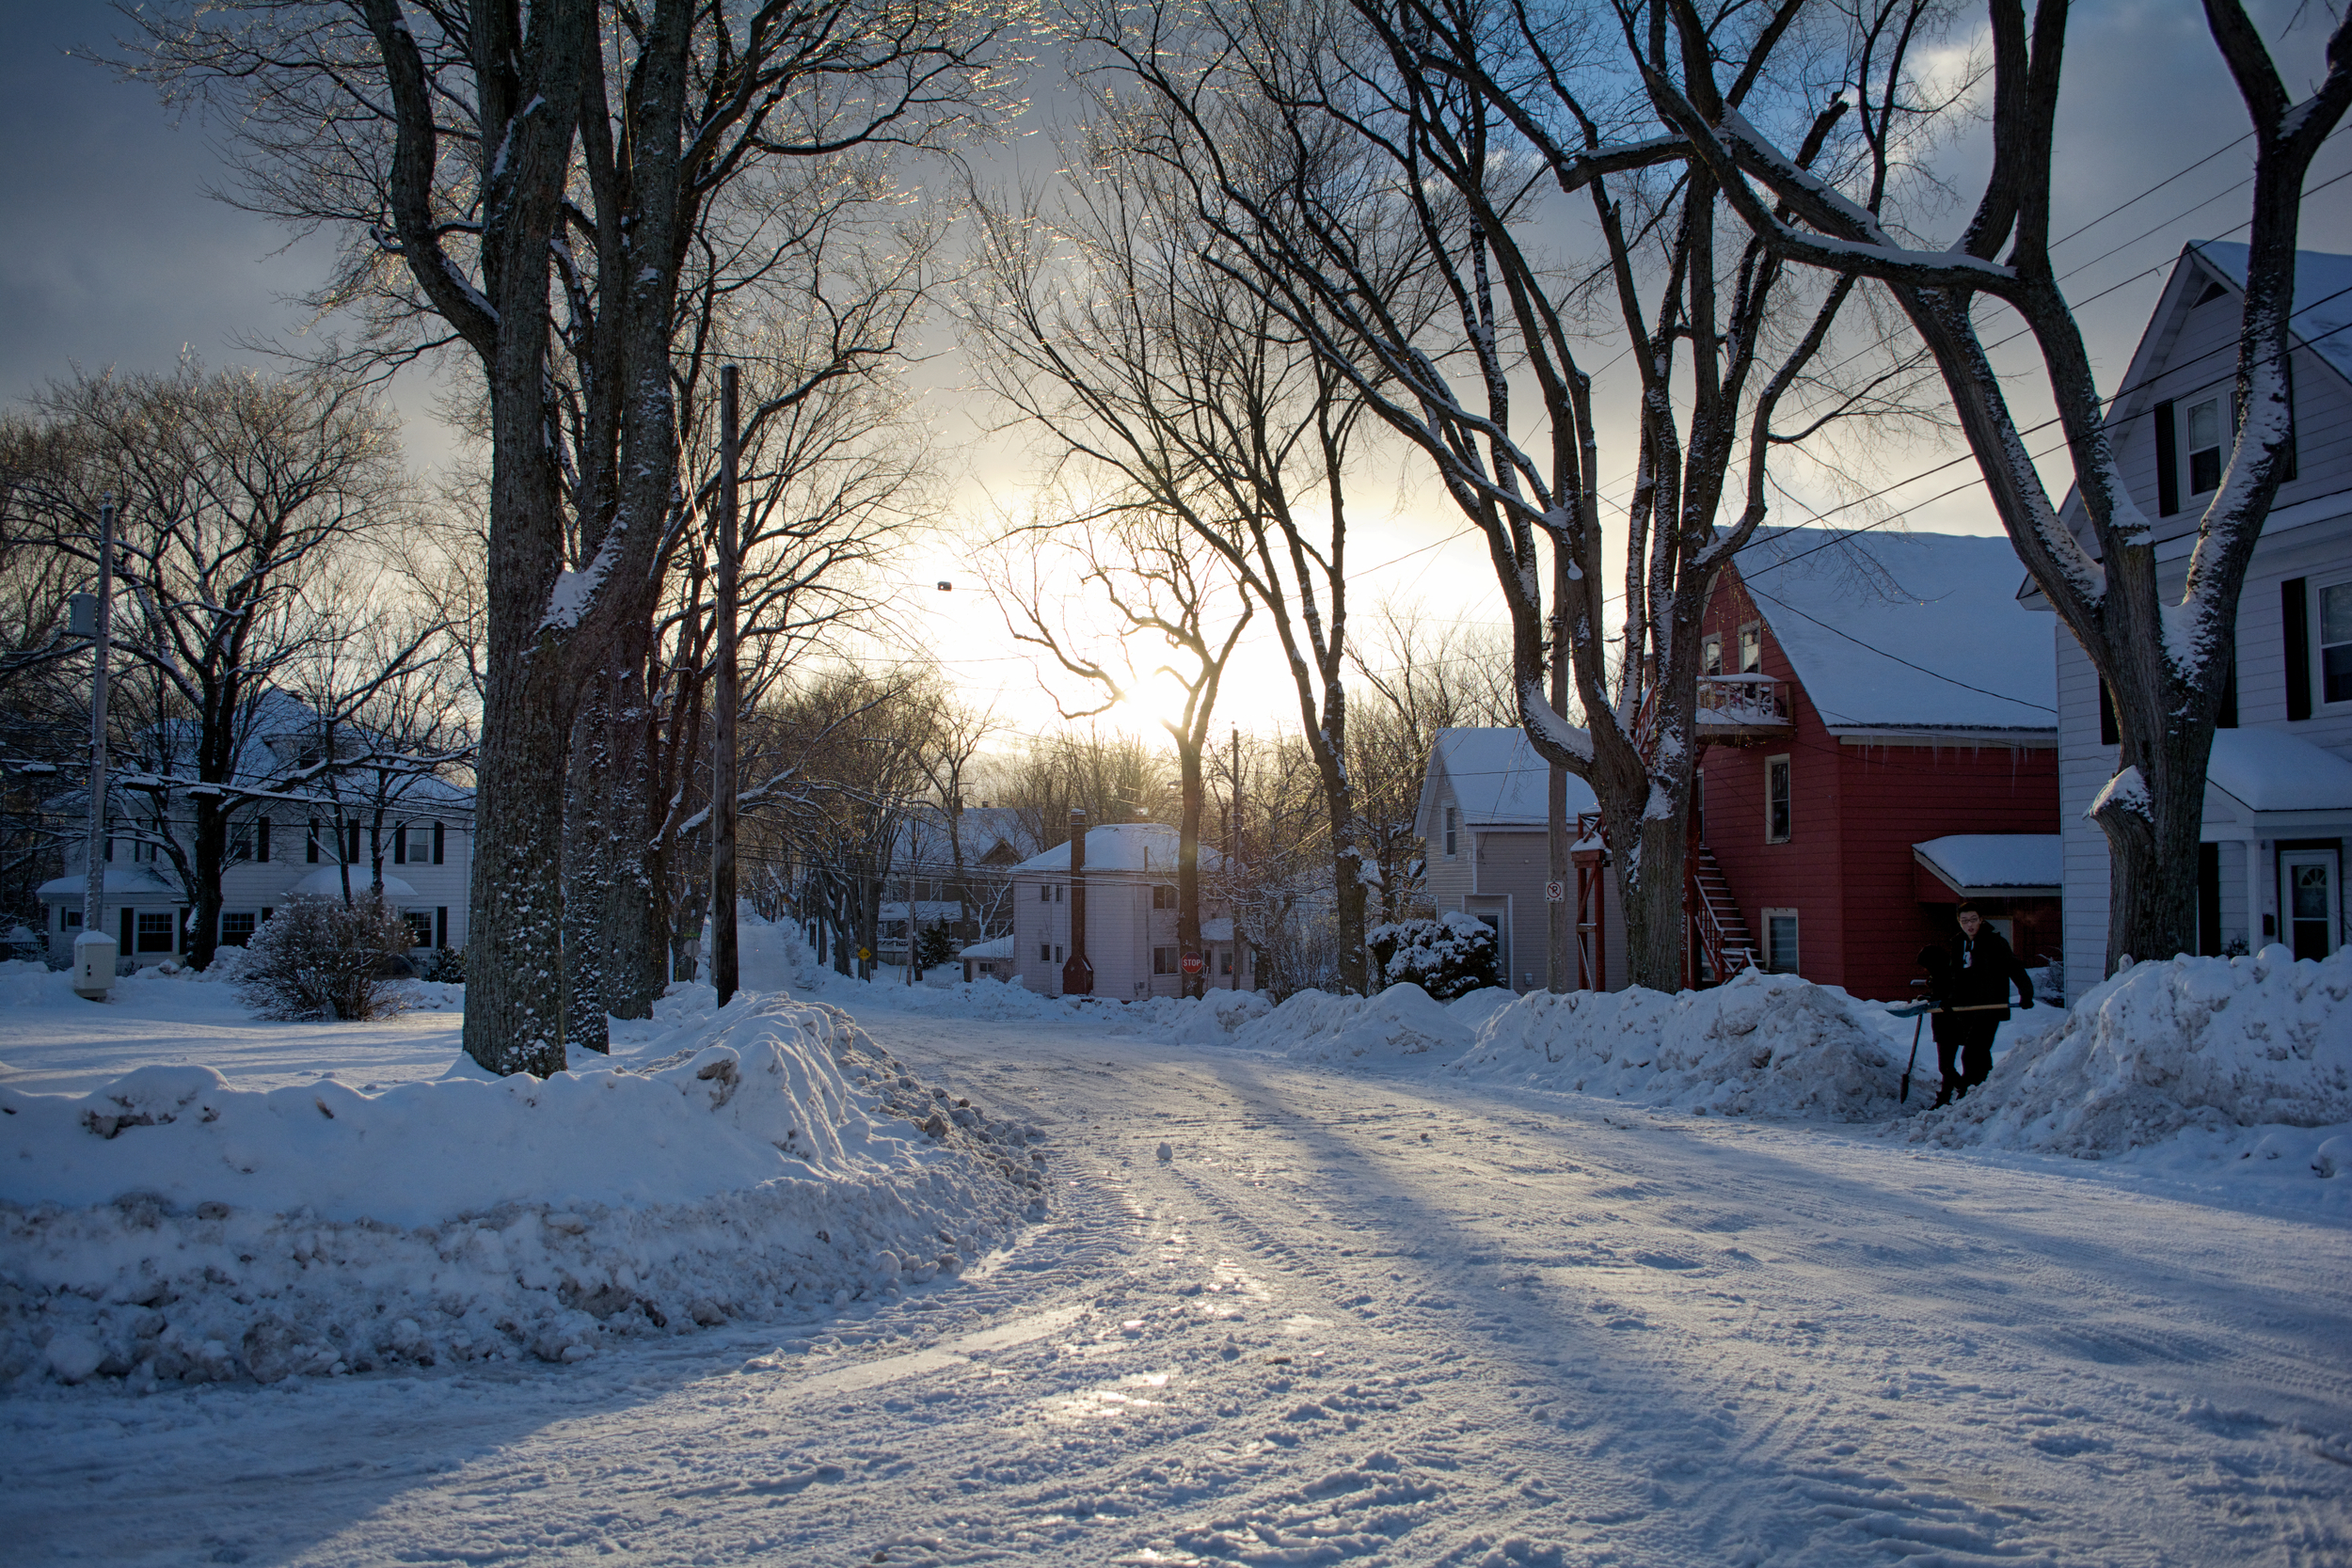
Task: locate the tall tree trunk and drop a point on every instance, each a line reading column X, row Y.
column 589, row 857
column 1194, row 794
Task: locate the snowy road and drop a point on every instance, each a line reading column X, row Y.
column 1353, row 1319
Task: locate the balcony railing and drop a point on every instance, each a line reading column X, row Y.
column 1743, row 701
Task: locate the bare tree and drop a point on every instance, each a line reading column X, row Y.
column 2164, row 653
column 240, row 496
column 1163, row 593
column 1323, row 144
column 1110, row 327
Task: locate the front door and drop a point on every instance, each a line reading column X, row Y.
column 2309, row 889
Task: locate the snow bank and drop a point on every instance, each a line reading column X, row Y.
column 1761, row 1045
column 1209, row 1020
column 1313, row 1026
column 2193, row 1044
column 765, row 1159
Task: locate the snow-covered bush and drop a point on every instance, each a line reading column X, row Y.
column 1449, row 956
column 320, row 958
column 445, row 966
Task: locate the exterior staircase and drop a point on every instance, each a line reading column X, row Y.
column 1723, row 933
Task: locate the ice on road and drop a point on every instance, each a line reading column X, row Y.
column 1351, row 1319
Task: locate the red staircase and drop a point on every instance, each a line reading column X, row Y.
column 1723, row 940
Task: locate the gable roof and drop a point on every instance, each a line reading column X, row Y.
column 2321, row 318
column 1498, row 780
column 1911, row 631
column 1136, row 847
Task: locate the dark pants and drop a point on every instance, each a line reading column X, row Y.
column 1964, row 1051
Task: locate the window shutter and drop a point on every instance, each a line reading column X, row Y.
column 440, row 926
column 2110, row 734
column 261, row 840
column 2295, row 615
column 2168, row 463
column 400, row 845
column 436, row 843
column 351, row 849
column 2225, row 717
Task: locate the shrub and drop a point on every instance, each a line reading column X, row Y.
column 446, row 965
column 323, row 958
column 1449, row 956
column 934, row 946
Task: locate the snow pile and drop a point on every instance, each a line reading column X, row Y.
column 765, row 1160
column 1313, row 1026
column 776, row 955
column 1763, row 1044
column 1210, row 1020
column 2201, row 1044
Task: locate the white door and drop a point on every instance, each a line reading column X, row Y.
column 2309, row 893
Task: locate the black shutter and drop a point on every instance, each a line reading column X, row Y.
column 400, row 845
column 310, row 845
column 436, row 843
column 130, row 929
column 2168, row 463
column 351, row 847
column 261, row 840
column 2225, row 717
column 440, row 926
column 2110, row 734
column 2294, row 614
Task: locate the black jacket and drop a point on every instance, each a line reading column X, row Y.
column 1983, row 968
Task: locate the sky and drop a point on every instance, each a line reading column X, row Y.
column 118, row 254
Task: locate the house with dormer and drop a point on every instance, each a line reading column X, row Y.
column 298, row 828
column 2278, row 788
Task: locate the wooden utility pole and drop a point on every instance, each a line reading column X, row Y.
column 722, row 779
column 1559, row 924
column 1232, row 864
column 1077, row 973
column 91, row 984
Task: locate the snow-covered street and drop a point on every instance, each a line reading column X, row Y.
column 1352, row 1316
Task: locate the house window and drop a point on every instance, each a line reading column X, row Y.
column 2335, row 642
column 154, row 932
column 241, row 841
column 68, row 920
column 1776, row 800
column 1045, row 952
column 237, row 927
column 1163, row 961
column 1750, row 647
column 1711, row 654
column 1163, row 896
column 2204, row 445
column 1780, row 941
column 1453, row 828
column 1044, row 893
column 420, row 927
column 1225, row 962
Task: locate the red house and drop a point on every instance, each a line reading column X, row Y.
column 1882, row 742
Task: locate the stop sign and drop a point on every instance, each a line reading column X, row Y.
column 1193, row 964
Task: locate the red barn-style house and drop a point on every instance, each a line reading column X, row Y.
column 1882, row 742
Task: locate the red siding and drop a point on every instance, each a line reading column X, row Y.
column 1854, row 813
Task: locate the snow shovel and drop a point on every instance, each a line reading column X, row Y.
column 1920, row 1014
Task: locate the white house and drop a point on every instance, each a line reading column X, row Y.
column 1131, row 916
column 2279, row 791
column 289, row 840
column 1483, row 820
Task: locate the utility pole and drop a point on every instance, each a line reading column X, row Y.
column 1232, row 866
column 1557, row 974
column 1077, row 971
column 722, row 779
column 94, row 951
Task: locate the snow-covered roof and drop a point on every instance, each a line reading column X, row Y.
column 123, row 882
column 983, row 829
column 2323, row 295
column 995, row 947
column 2000, row 865
column 1911, row 631
column 1498, row 779
column 328, row 883
column 1136, row 847
column 2267, row 769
